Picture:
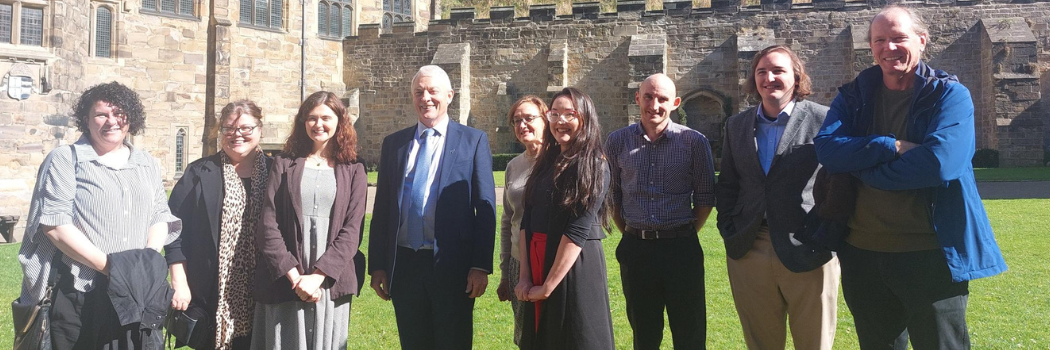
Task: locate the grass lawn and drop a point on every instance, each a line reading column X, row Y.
column 496, row 176
column 1006, row 311
column 1012, row 174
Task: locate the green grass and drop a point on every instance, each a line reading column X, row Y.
column 1012, row 174
column 1010, row 310
column 496, row 175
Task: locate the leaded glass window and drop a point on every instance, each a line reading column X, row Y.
column 322, row 18
column 174, row 7
column 32, row 31
column 103, row 32
column 262, row 13
column 5, row 23
column 180, row 149
column 348, row 14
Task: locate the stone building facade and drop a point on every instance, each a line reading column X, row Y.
column 188, row 58
column 998, row 50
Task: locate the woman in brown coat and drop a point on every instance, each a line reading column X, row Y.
column 308, row 234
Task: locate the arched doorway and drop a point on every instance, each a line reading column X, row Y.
column 705, row 111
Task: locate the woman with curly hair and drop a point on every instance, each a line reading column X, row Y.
column 219, row 198
column 98, row 220
column 564, row 280
column 308, row 235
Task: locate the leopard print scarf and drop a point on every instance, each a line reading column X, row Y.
column 233, row 317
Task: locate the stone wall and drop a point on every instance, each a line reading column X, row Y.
column 185, row 69
column 707, row 52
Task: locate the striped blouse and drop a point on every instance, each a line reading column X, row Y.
column 113, row 207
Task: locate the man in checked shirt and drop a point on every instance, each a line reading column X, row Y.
column 662, row 192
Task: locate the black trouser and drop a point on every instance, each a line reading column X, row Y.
column 664, row 273
column 432, row 309
column 896, row 295
column 88, row 320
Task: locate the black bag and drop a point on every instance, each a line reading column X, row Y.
column 185, row 328
column 33, row 322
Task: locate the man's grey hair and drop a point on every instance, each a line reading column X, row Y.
column 433, row 72
column 917, row 22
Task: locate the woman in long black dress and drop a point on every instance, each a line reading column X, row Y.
column 563, row 279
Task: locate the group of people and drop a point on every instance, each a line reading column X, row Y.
column 265, row 252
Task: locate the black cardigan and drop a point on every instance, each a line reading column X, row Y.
column 197, row 200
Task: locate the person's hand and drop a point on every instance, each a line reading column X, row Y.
column 181, row 300
column 380, row 284
column 521, row 291
column 477, row 281
column 537, row 293
column 503, row 291
column 905, row 146
column 308, row 286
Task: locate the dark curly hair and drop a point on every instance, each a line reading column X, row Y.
column 117, row 95
column 343, row 146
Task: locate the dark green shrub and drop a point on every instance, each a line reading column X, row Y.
column 500, row 160
column 986, row 158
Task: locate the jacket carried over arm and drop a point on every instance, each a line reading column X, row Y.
column 941, row 122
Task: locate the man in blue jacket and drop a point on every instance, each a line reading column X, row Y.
column 919, row 231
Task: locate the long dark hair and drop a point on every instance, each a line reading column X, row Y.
column 578, row 171
column 341, row 149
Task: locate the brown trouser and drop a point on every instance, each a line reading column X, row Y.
column 767, row 294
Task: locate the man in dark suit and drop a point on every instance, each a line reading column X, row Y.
column 764, row 194
column 434, row 222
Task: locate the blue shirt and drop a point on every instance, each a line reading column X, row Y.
column 436, row 145
column 657, row 183
column 768, row 133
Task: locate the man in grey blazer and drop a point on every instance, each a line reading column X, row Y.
column 764, row 196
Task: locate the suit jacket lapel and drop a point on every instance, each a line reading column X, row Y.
column 750, row 143
column 791, row 129
column 448, row 158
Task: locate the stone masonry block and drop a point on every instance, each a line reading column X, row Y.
column 752, row 40
column 462, row 14
column 542, row 13
column 630, row 8
column 828, row 4
column 455, row 60
column 501, row 14
column 557, row 63
column 403, row 27
column 586, row 10
column 368, row 31
column 1008, row 30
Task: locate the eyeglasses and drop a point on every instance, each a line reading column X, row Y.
column 243, row 130
column 527, row 120
column 566, row 117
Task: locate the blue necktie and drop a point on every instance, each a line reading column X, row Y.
column 420, row 173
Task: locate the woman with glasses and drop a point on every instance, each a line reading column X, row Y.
column 98, row 220
column 219, row 199
column 564, row 280
column 526, row 117
column 309, row 233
